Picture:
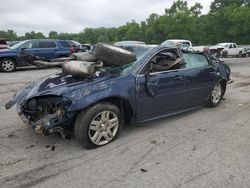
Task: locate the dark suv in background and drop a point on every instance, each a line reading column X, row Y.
column 44, row 48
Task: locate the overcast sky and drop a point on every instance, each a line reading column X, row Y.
column 73, row 16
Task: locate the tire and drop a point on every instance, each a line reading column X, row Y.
column 224, row 54
column 92, row 128
column 8, row 65
column 247, row 55
column 114, row 54
column 216, row 95
column 240, row 54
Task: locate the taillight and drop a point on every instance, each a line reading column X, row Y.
column 72, row 49
column 206, row 50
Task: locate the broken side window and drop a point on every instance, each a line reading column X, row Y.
column 166, row 60
column 195, row 60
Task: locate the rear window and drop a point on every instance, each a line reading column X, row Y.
column 47, row 44
column 65, row 44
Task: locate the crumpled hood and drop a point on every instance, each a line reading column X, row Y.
column 56, row 84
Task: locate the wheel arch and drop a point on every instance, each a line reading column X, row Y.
column 123, row 104
column 224, row 85
column 125, row 107
column 9, row 57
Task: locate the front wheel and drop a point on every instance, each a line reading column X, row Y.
column 8, row 65
column 98, row 125
column 216, row 95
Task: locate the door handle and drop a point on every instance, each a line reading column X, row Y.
column 178, row 77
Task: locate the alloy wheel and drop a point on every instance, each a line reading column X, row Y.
column 103, row 128
column 216, row 93
column 8, row 65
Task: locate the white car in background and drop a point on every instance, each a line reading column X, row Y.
column 229, row 49
column 185, row 44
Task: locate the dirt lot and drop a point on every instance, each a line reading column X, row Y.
column 202, row 148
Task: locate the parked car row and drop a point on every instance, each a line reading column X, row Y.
column 48, row 49
column 229, row 49
column 220, row 49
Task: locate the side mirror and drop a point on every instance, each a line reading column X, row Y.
column 22, row 48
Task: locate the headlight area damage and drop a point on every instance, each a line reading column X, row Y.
column 47, row 115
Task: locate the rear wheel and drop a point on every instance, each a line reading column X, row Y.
column 216, row 95
column 240, row 54
column 8, row 65
column 98, row 125
column 224, row 54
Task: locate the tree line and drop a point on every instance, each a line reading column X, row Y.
column 227, row 21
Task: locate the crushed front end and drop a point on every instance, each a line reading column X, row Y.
column 47, row 114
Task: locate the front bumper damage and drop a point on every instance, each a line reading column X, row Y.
column 47, row 115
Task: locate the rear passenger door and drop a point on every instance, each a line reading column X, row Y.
column 200, row 79
column 47, row 49
column 65, row 48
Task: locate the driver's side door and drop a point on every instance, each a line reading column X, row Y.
column 159, row 93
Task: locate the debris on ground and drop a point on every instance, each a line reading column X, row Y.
column 53, row 147
column 143, row 170
column 202, row 130
column 153, row 142
column 12, row 136
column 30, row 146
column 194, row 148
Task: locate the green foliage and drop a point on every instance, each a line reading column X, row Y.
column 228, row 20
column 218, row 5
column 8, row 35
column 34, row 35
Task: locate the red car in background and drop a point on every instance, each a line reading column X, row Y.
column 3, row 44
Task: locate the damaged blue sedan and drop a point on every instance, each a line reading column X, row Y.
column 162, row 81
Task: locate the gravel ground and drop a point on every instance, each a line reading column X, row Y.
column 209, row 147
